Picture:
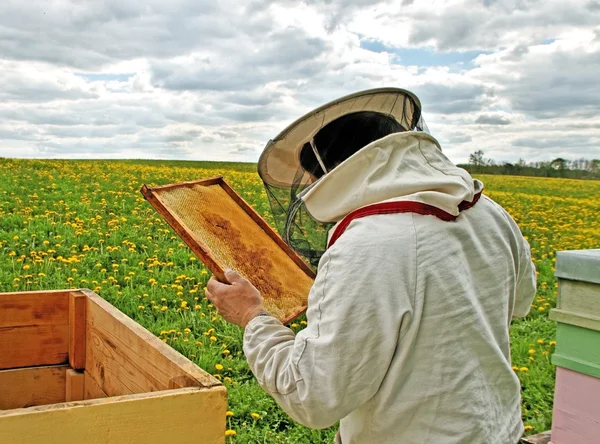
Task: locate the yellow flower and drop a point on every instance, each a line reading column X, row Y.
column 230, row 432
column 540, row 341
column 183, row 304
column 212, row 338
column 164, row 308
column 186, row 330
column 528, row 427
column 25, row 267
column 524, row 369
column 219, row 367
column 141, row 307
column 515, row 368
column 532, row 352
column 255, row 415
column 541, row 309
column 552, row 343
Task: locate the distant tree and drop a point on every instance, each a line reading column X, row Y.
column 476, row 158
column 559, row 164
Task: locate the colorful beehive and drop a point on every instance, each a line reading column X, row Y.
column 576, row 414
column 74, row 369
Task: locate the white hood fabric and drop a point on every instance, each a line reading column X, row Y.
column 408, row 319
column 406, row 166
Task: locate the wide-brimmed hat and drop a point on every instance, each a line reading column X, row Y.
column 279, row 163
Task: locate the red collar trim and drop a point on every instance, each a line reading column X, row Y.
column 398, row 207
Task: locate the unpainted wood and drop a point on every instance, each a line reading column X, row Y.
column 194, row 244
column 75, row 386
column 77, row 312
column 18, row 309
column 33, row 328
column 91, row 389
column 540, row 438
column 190, row 184
column 176, row 417
column 124, row 358
column 34, row 345
column 33, row 386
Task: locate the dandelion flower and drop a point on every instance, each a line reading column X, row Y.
column 219, row 367
column 230, row 432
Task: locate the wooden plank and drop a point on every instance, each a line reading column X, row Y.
column 125, row 358
column 33, row 308
column 25, row 387
column 75, row 384
column 145, row 418
column 194, row 244
column 30, row 346
column 91, row 389
column 77, row 304
column 190, row 183
column 37, row 322
column 540, row 438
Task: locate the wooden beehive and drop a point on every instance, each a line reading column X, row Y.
column 74, row 369
column 576, row 414
column 225, row 232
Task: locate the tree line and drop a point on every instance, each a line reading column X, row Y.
column 559, row 167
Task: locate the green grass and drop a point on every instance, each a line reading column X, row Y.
column 74, row 224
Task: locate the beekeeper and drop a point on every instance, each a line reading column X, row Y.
column 419, row 276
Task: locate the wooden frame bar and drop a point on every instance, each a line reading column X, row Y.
column 38, row 321
column 32, row 386
column 200, row 249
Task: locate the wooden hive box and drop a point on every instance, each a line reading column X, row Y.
column 576, row 414
column 74, row 369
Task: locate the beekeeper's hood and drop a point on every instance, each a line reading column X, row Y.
column 402, row 166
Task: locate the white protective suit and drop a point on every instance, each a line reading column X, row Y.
column 408, row 319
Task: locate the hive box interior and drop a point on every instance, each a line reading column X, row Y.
column 69, row 357
column 225, row 232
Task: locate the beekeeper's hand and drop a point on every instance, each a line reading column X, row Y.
column 238, row 301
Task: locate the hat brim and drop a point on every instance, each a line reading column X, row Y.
column 280, row 161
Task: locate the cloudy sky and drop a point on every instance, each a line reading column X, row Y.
column 214, row 80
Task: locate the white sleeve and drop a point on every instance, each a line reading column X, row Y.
column 337, row 363
column 526, row 281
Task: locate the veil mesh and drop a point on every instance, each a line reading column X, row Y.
column 285, row 179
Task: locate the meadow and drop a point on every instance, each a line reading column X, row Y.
column 84, row 224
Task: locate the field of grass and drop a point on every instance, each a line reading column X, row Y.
column 74, row 224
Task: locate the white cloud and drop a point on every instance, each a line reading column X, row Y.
column 215, row 80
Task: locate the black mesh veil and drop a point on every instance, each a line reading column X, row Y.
column 300, row 155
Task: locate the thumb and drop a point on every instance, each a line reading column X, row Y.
column 232, row 276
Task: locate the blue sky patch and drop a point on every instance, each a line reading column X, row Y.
column 423, row 57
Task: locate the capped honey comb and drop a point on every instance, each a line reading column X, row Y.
column 225, row 232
